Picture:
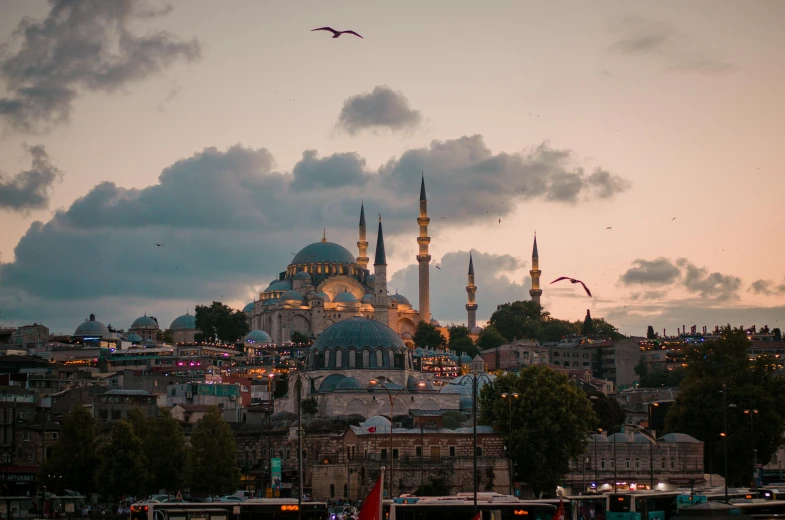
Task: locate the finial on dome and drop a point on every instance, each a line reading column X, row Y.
column 380, row 217
column 324, row 235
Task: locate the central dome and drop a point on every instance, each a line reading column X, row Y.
column 323, row 252
column 358, row 332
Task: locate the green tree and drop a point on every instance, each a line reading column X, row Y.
column 310, row 406
column 777, row 334
column 167, row 336
column 549, row 423
column 456, row 333
column 610, row 413
column 75, row 455
column 212, row 464
column 466, row 346
column 164, row 450
column 660, row 377
column 219, row 321
column 429, row 336
column 299, row 337
column 490, row 338
column 121, row 470
column 641, row 369
column 517, row 320
column 650, row 334
column 720, row 371
column 587, row 329
column 554, row 330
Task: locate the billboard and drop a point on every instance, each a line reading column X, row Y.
column 275, row 474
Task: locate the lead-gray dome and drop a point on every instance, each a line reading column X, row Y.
column 184, row 322
column 323, row 252
column 348, row 384
column 249, row 307
column 358, row 332
column 279, row 285
column 302, row 275
column 144, row 321
column 345, row 297
column 258, row 336
column 320, row 295
column 368, row 298
column 291, row 296
column 90, row 327
column 399, row 299
column 134, row 338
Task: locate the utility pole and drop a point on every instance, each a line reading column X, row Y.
column 299, row 386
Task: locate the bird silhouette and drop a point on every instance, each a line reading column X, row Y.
column 439, row 268
column 500, row 221
column 159, row 245
column 608, row 227
column 674, row 218
column 573, row 280
column 336, row 34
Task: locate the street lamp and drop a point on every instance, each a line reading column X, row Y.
column 752, row 413
column 475, row 378
column 509, row 398
column 270, row 410
column 613, row 418
column 375, row 382
column 724, row 434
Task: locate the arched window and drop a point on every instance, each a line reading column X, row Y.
column 379, row 358
column 662, row 464
column 637, row 463
column 602, row 463
column 366, row 356
column 352, row 355
column 588, row 462
column 326, row 359
column 627, row 464
column 613, row 463
column 332, row 490
column 390, row 362
column 673, row 464
column 338, row 359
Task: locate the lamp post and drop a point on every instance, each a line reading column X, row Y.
column 724, row 434
column 374, row 382
column 652, row 441
column 475, row 378
column 509, row 398
column 270, row 410
column 752, row 413
column 613, row 418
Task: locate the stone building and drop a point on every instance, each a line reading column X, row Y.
column 116, row 404
column 183, row 328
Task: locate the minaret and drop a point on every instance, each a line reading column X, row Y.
column 380, row 300
column 424, row 259
column 535, row 272
column 471, row 306
column 362, row 244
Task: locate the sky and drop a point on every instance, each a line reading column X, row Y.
column 641, row 141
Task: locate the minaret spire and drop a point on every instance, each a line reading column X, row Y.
column 423, row 258
column 535, row 272
column 471, row 306
column 380, row 301
column 362, row 244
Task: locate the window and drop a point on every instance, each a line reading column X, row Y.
column 627, row 464
column 418, row 451
column 452, row 448
column 104, row 415
column 613, row 463
column 26, row 435
column 673, row 464
column 637, row 463
column 288, row 453
column 662, row 465
column 395, row 453
column 332, row 490
column 479, row 451
column 117, row 415
column 55, row 436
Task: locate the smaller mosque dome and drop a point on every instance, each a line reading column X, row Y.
column 143, row 322
column 466, row 358
column 271, row 301
column 302, row 275
column 378, row 422
column 345, row 297
column 368, row 298
column 330, row 383
column 249, row 308
column 184, row 322
column 258, row 336
column 134, row 338
column 348, row 384
column 399, row 299
column 291, row 296
column 91, row 327
column 476, row 330
column 435, row 323
column 318, row 295
column 279, row 285
column 370, row 279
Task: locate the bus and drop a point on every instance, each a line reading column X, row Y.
column 759, row 508
column 580, row 507
column 252, row 509
column 492, row 506
column 648, row 505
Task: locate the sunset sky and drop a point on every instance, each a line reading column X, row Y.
column 233, row 134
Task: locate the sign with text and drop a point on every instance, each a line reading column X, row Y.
column 275, row 473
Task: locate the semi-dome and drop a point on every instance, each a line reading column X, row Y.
column 348, row 384
column 330, row 382
column 90, row 327
column 368, row 298
column 144, row 321
column 320, row 295
column 323, row 252
column 370, row 279
column 258, row 336
column 399, row 299
column 678, row 437
column 302, row 275
column 271, row 301
column 466, row 358
column 345, row 297
column 249, row 308
column 358, row 332
column 184, row 322
column 291, row 296
column 279, row 285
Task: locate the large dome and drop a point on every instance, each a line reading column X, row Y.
column 345, row 297
column 358, row 332
column 323, row 252
column 258, row 336
column 184, row 322
column 91, row 327
column 144, row 321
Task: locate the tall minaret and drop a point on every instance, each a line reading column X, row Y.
column 362, row 244
column 535, row 272
column 380, row 300
column 471, row 306
column 424, row 259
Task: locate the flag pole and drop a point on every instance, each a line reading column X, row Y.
column 381, row 497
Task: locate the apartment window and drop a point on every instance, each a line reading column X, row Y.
column 418, row 451
column 452, row 451
column 288, row 453
column 627, row 464
column 55, row 436
column 602, row 463
column 384, row 454
column 395, row 453
column 479, row 451
column 104, row 415
column 613, row 463
column 117, row 415
column 637, row 463
column 673, row 464
column 26, row 435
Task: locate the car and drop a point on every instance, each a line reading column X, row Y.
column 231, row 498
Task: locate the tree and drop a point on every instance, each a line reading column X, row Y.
column 588, row 326
column 466, row 346
column 650, row 334
column 429, row 336
column 603, row 329
column 299, row 337
column 660, row 377
column 456, row 333
column 164, row 450
column 517, row 320
column 490, row 338
column 119, row 460
column 777, row 334
column 220, row 322
column 549, row 423
column 555, row 330
column 74, row 456
column 212, row 464
column 720, row 371
column 310, row 406
column 641, row 369
column 167, row 336
column 610, row 413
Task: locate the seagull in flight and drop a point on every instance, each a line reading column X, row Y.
column 336, row 34
column 159, row 245
column 674, row 218
column 608, row 227
column 573, row 280
column 439, row 268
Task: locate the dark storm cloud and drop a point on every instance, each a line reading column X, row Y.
column 493, row 276
column 382, row 108
column 767, row 288
column 641, row 37
column 335, row 171
column 660, row 271
column 29, row 189
column 79, row 47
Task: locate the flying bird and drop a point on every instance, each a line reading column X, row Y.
column 159, row 245
column 674, row 218
column 439, row 268
column 336, row 34
column 500, row 221
column 608, row 227
column 573, row 280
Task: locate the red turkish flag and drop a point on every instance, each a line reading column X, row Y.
column 372, row 429
column 371, row 509
column 559, row 512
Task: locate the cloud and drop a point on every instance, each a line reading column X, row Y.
column 710, row 285
column 660, row 271
column 81, row 47
column 495, row 278
column 29, row 189
column 767, row 288
column 674, row 49
column 230, row 222
column 382, row 108
column 648, row 295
